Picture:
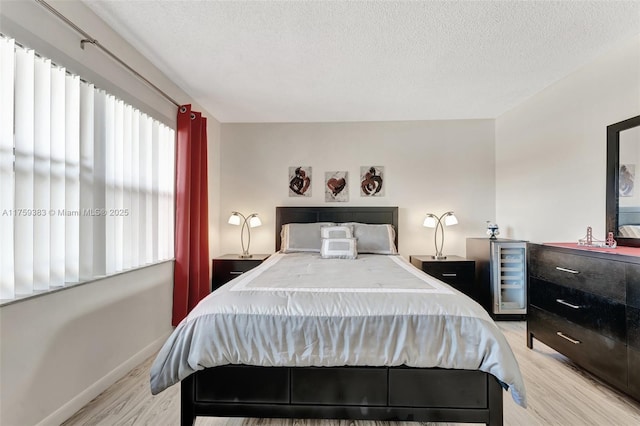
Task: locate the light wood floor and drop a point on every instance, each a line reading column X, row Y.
column 558, row 393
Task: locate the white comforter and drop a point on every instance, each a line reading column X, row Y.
column 301, row 310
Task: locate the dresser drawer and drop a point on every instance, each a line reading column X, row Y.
column 604, row 357
column 596, row 313
column 590, row 274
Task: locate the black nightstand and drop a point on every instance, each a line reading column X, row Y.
column 229, row 266
column 456, row 271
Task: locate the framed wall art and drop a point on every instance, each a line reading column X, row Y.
column 372, row 181
column 300, row 181
column 335, row 187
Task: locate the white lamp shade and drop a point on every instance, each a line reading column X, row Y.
column 430, row 222
column 254, row 221
column 234, row 219
column 450, row 220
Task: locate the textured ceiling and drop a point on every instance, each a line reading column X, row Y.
column 309, row 61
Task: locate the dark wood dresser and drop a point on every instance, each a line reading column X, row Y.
column 586, row 305
column 456, row 271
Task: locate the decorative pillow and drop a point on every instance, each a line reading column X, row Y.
column 339, row 248
column 337, row 231
column 376, row 239
column 301, row 237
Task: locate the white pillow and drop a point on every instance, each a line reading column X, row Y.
column 302, row 237
column 376, row 239
column 337, row 231
column 338, row 248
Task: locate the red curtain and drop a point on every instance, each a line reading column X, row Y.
column 191, row 274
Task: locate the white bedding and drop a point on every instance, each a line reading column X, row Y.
column 300, row 310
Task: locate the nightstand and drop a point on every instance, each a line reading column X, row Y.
column 227, row 267
column 456, row 271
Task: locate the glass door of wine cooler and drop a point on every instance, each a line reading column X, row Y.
column 509, row 278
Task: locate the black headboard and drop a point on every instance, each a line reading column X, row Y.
column 372, row 215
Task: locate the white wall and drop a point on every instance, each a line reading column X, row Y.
column 551, row 150
column 62, row 349
column 430, row 166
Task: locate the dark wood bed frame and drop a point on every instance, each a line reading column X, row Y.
column 364, row 393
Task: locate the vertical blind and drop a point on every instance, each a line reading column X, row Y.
column 86, row 181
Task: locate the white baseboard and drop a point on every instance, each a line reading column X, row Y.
column 83, row 398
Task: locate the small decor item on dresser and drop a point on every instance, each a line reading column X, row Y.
column 492, row 230
column 589, row 241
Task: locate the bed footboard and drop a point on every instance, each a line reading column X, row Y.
column 363, row 393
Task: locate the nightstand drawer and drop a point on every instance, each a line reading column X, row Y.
column 228, row 267
column 458, row 274
column 598, row 276
column 455, row 271
column 596, row 313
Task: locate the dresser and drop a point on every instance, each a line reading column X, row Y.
column 456, row 271
column 227, row 267
column 586, row 305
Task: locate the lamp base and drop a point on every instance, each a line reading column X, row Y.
column 439, row 257
column 245, row 256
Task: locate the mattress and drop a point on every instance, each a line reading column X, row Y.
column 301, row 310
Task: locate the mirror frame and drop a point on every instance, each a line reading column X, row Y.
column 613, row 165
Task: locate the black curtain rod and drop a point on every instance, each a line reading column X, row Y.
column 93, row 41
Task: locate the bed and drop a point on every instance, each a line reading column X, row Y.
column 266, row 363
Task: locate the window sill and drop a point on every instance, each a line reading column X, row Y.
column 39, row 293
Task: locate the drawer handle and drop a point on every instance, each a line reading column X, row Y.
column 565, row 337
column 562, row 302
column 571, row 271
column 236, row 273
column 449, row 275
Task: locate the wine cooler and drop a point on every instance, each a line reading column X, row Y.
column 501, row 275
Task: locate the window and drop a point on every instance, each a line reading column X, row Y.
column 86, row 181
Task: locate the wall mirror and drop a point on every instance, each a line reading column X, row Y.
column 623, row 181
